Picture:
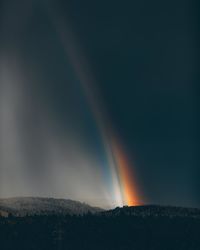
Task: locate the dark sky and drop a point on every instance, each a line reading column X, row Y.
column 143, row 56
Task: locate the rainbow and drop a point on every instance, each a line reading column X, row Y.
column 128, row 185
column 124, row 191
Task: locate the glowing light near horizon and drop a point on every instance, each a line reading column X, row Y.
column 130, row 197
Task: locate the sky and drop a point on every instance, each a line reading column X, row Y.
column 98, row 101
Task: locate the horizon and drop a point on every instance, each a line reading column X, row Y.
column 94, row 205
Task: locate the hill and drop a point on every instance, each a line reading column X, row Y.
column 43, row 206
column 155, row 211
column 127, row 228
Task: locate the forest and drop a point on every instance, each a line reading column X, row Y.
column 99, row 231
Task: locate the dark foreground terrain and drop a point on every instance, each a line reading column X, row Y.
column 137, row 228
